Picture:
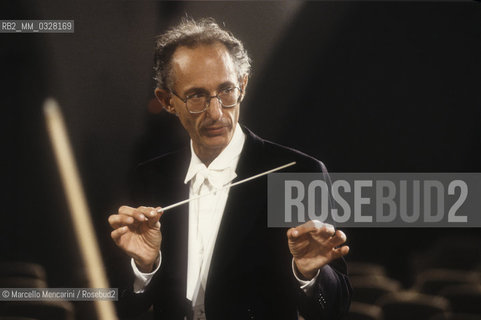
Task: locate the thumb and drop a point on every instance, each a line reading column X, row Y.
column 154, row 217
column 292, row 234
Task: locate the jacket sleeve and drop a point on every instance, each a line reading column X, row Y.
column 331, row 295
column 332, row 291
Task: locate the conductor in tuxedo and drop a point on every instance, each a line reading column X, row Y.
column 215, row 258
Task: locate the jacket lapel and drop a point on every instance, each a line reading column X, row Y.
column 240, row 211
column 175, row 222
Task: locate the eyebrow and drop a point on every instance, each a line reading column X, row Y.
column 223, row 85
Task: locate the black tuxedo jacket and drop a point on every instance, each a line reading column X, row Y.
column 250, row 276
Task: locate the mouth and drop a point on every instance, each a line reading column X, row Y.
column 215, row 130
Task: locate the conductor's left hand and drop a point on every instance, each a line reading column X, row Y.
column 313, row 247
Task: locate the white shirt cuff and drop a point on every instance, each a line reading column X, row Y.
column 306, row 285
column 143, row 279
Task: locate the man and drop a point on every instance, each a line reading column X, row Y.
column 215, row 258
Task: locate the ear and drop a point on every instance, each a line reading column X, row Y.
column 163, row 96
column 243, row 84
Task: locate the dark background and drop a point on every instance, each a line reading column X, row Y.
column 363, row 86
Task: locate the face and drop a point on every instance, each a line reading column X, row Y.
column 209, row 69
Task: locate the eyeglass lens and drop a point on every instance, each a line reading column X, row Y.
column 228, row 98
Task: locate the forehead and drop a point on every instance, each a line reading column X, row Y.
column 204, row 66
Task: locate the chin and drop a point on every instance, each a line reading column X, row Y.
column 218, row 142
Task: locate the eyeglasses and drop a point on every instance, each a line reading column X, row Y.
column 199, row 102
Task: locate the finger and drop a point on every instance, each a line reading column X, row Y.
column 154, row 215
column 117, row 233
column 136, row 213
column 315, row 227
column 338, row 238
column 326, row 231
column 339, row 252
column 144, row 213
column 291, row 234
column 117, row 221
column 304, row 228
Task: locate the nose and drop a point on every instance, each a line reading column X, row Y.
column 214, row 109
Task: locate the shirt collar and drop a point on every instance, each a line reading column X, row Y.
column 226, row 159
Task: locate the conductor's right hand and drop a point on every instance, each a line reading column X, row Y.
column 137, row 232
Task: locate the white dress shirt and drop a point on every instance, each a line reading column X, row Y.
column 205, row 215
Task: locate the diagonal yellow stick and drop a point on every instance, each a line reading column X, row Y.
column 78, row 206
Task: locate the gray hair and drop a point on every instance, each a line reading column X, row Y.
column 191, row 33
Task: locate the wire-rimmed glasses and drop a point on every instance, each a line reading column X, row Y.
column 199, row 102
